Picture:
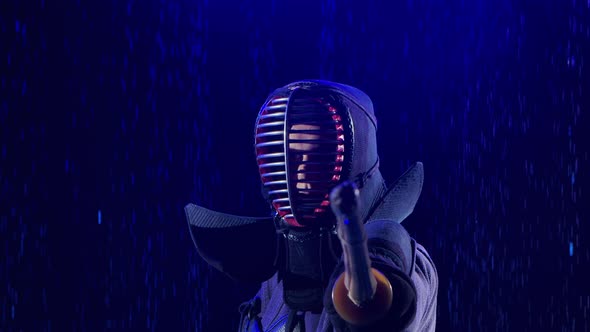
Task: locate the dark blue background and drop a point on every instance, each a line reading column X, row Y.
column 115, row 114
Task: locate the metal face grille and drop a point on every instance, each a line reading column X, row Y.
column 300, row 154
column 270, row 154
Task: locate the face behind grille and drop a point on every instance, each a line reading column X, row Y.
column 300, row 154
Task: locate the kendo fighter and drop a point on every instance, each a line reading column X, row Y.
column 333, row 254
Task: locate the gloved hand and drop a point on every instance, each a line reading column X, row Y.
column 403, row 306
column 371, row 288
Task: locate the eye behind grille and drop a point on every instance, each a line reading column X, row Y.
column 316, row 155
